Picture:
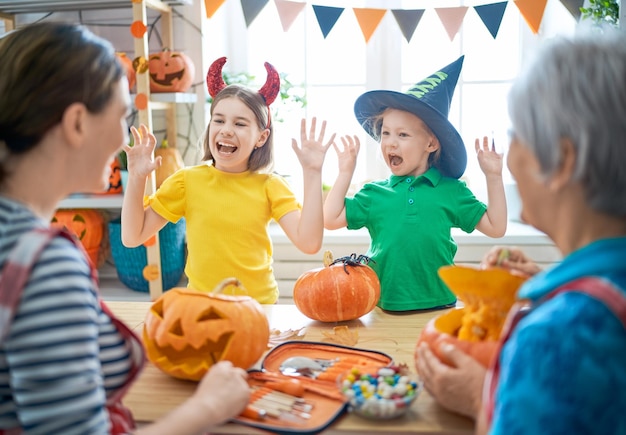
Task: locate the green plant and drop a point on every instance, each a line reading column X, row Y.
column 601, row 12
column 289, row 94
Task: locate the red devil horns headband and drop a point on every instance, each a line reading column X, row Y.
column 215, row 81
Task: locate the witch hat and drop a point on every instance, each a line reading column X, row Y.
column 429, row 100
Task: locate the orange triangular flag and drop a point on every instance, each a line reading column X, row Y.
column 212, row 6
column 369, row 19
column 532, row 11
column 288, row 12
column 452, row 19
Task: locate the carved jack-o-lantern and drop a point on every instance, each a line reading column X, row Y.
column 115, row 177
column 87, row 225
column 187, row 331
column 170, row 71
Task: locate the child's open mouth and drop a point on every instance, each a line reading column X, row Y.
column 226, row 148
column 395, row 160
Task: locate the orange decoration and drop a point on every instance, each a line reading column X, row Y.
column 342, row 290
column 150, row 272
column 115, row 178
column 171, row 161
column 87, row 225
column 138, row 29
column 150, row 242
column 487, row 296
column 141, row 101
column 170, row 71
column 186, row 331
column 128, row 66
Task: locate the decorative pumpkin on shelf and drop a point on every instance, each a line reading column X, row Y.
column 487, row 296
column 127, row 63
column 88, row 226
column 171, row 161
column 115, row 178
column 344, row 289
column 170, row 71
column 187, row 331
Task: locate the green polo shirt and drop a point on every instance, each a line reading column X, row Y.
column 410, row 220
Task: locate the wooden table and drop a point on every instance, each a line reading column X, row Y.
column 155, row 393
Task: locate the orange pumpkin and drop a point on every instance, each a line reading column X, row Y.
column 170, row 71
column 344, row 289
column 127, row 63
column 88, row 226
column 171, row 161
column 115, row 178
column 487, row 296
column 187, row 331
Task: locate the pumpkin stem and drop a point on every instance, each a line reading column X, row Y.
column 328, row 258
column 227, row 282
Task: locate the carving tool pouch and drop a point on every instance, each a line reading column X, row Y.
column 312, row 404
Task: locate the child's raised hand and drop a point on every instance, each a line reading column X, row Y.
column 347, row 156
column 489, row 160
column 141, row 161
column 312, row 151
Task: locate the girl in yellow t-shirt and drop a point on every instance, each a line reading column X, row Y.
column 229, row 201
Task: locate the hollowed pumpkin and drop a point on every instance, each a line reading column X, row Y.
column 344, row 289
column 186, row 331
column 88, row 226
column 487, row 296
column 170, row 71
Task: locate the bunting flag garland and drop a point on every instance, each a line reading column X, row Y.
column 369, row 19
column 327, row 17
column 251, row 9
column 288, row 12
column 452, row 19
column 408, row 20
column 211, row 6
column 532, row 11
column 491, row 16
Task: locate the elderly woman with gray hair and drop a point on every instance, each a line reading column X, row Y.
column 561, row 366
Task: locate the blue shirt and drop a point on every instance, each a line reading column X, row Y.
column 563, row 370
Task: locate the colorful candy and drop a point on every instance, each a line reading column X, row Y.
column 385, row 394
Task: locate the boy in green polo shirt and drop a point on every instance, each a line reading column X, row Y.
column 410, row 215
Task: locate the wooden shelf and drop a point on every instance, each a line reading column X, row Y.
column 86, row 200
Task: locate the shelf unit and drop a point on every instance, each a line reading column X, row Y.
column 167, row 102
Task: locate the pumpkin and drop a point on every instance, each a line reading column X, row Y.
column 88, row 227
column 115, row 178
column 487, row 296
column 127, row 63
column 187, row 331
column 344, row 289
column 171, row 161
column 170, row 71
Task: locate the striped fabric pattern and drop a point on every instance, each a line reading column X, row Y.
column 61, row 352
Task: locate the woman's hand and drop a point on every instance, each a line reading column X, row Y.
column 140, row 156
column 312, row 151
column 458, row 387
column 511, row 258
column 223, row 392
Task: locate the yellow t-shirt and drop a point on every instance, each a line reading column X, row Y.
column 227, row 217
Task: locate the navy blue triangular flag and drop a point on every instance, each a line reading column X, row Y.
column 492, row 16
column 327, row 17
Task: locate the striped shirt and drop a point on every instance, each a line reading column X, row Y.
column 62, row 356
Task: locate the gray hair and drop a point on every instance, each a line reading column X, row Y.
column 576, row 89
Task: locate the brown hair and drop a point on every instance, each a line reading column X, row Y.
column 262, row 157
column 47, row 67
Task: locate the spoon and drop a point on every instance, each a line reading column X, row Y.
column 304, row 366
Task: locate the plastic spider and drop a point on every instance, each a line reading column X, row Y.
column 352, row 260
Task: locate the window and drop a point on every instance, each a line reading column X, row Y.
column 338, row 69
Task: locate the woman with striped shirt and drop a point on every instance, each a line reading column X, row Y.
column 63, row 106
